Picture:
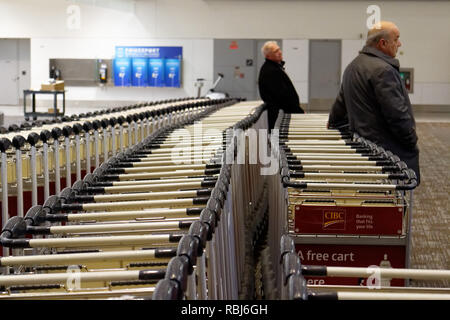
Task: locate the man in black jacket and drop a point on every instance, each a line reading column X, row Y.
column 373, row 100
column 275, row 87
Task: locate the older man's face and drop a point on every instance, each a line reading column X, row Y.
column 390, row 47
column 275, row 54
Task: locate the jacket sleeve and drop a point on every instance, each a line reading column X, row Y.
column 395, row 106
column 338, row 115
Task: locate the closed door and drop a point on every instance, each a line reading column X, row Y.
column 324, row 73
column 236, row 60
column 9, row 75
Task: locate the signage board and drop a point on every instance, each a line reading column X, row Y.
column 122, row 72
column 140, row 72
column 148, row 66
column 172, row 72
column 156, row 73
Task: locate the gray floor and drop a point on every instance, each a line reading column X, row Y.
column 430, row 236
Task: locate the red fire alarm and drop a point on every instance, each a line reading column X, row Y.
column 234, row 45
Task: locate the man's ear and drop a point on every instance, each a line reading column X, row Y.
column 380, row 44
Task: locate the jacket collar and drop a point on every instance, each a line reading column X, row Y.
column 377, row 53
column 280, row 65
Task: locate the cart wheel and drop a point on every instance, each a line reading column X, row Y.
column 34, row 118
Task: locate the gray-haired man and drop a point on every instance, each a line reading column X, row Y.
column 373, row 100
column 275, row 87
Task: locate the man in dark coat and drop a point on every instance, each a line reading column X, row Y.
column 373, row 100
column 275, row 87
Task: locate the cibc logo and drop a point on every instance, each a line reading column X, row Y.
column 333, row 220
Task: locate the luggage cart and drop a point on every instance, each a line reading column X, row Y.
column 103, row 214
column 295, row 287
column 349, row 202
column 40, row 159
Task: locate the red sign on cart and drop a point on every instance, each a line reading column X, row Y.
column 333, row 220
column 360, row 220
column 352, row 256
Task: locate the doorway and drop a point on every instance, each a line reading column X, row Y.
column 15, row 66
column 235, row 59
column 324, row 73
column 239, row 61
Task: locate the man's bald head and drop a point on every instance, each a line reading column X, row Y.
column 272, row 51
column 384, row 36
column 381, row 30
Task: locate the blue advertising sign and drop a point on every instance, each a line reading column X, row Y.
column 172, row 72
column 140, row 72
column 149, row 52
column 148, row 66
column 122, row 72
column 156, row 72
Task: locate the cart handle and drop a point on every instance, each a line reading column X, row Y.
column 412, row 178
column 188, row 247
column 167, row 289
column 15, row 228
column 410, row 185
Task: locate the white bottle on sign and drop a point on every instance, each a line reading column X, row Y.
column 385, row 282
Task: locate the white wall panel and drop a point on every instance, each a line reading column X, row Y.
column 436, row 93
column 423, row 26
column 302, row 90
column 350, row 50
column 197, row 63
column 295, row 53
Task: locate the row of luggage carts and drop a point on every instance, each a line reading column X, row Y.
column 40, row 158
column 342, row 217
column 174, row 206
column 156, row 220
